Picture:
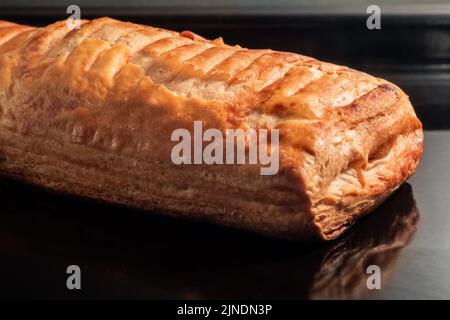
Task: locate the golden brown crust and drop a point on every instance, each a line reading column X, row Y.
column 102, row 102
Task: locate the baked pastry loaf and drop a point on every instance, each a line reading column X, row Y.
column 90, row 112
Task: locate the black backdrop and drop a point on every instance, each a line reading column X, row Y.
column 412, row 49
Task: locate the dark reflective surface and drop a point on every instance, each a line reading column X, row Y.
column 132, row 254
column 129, row 254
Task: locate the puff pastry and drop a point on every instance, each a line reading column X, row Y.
column 90, row 112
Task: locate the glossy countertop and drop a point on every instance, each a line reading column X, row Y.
column 125, row 253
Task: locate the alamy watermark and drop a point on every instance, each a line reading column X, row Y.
column 234, row 146
column 374, row 280
column 74, row 20
column 73, row 281
column 374, row 20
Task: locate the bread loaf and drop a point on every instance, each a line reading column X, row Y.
column 92, row 112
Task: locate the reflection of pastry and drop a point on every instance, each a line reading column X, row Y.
column 128, row 254
column 376, row 241
column 91, row 112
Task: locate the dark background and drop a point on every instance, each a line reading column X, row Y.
column 412, row 49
